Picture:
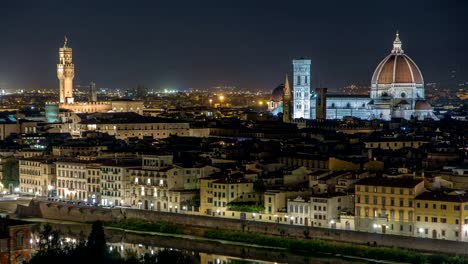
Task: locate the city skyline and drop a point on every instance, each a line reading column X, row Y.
column 164, row 46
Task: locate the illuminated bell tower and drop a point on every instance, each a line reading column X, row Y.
column 301, row 88
column 66, row 73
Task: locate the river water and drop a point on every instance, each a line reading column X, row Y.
column 200, row 250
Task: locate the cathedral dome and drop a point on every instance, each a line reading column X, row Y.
column 422, row 105
column 397, row 68
column 277, row 94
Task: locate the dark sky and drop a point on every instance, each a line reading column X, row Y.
column 249, row 44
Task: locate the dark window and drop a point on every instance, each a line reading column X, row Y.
column 19, row 239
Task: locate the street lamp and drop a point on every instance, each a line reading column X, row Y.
column 221, row 99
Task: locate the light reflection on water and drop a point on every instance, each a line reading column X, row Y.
column 140, row 250
column 203, row 252
column 204, row 258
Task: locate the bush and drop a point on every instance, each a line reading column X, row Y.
column 250, row 207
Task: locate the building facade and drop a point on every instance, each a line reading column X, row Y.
column 386, row 205
column 72, row 182
column 37, row 176
column 441, row 215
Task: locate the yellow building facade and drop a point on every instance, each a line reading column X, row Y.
column 386, row 205
column 442, row 215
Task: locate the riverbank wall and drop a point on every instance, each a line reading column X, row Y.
column 68, row 212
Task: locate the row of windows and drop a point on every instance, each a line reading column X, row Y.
column 222, row 186
column 223, row 204
column 375, row 213
column 35, row 172
column 382, row 189
column 71, row 184
column 395, row 144
column 442, row 206
column 383, row 201
column 72, row 174
column 30, row 181
column 111, row 193
column 434, row 219
column 305, row 80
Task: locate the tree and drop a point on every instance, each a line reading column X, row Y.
column 259, row 188
column 97, row 240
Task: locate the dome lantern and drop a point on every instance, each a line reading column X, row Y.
column 397, row 45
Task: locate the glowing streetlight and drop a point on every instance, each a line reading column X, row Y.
column 221, row 98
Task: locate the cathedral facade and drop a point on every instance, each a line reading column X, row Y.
column 397, row 91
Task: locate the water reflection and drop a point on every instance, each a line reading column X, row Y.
column 200, row 257
column 198, row 251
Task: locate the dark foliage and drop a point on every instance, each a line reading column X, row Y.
column 52, row 249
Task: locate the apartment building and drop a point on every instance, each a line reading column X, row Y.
column 72, row 180
column 442, row 215
column 321, row 210
column 386, row 205
column 37, row 176
column 216, row 193
column 115, row 181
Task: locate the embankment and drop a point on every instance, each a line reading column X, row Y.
column 67, row 212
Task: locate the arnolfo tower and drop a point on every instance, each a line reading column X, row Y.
column 66, row 73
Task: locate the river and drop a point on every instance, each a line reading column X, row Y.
column 203, row 251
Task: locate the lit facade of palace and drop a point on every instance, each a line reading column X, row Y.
column 397, row 91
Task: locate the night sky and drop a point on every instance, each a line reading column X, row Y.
column 248, row 44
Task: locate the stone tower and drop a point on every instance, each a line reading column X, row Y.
column 321, row 103
column 286, row 101
column 301, row 88
column 65, row 73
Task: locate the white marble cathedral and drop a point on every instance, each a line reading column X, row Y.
column 397, row 91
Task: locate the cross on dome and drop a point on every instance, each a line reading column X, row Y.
column 397, row 45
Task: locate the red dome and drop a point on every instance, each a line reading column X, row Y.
column 397, row 68
column 422, row 105
column 277, row 94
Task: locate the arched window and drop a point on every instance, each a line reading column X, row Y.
column 19, row 239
